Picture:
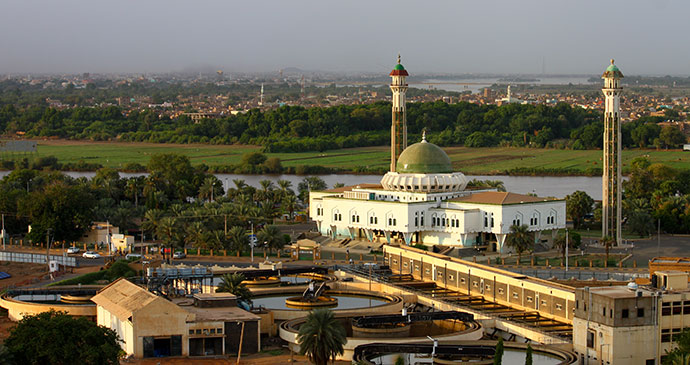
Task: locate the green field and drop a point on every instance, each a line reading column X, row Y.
column 477, row 161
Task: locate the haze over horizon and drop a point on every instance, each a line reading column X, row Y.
column 74, row 36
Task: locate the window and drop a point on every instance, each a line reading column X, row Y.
column 603, row 312
column 219, row 330
column 515, row 295
column 212, row 331
column 577, row 304
column 559, row 307
column 416, row 221
column 677, row 309
column 625, row 313
column 640, row 312
column 198, row 332
column 666, row 309
column 500, row 290
column 590, row 339
column 191, row 332
column 529, row 299
column 421, row 221
column 666, row 335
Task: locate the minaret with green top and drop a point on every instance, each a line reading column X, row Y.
column 399, row 126
column 611, row 181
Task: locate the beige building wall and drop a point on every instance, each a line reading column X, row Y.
column 616, row 345
column 123, row 329
column 160, row 318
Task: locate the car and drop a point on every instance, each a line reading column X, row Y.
column 73, row 249
column 91, row 255
column 179, row 255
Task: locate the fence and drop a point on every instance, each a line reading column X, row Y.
column 37, row 258
column 561, row 274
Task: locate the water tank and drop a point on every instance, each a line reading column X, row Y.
column 632, row 285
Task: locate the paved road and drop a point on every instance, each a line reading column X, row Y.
column 645, row 249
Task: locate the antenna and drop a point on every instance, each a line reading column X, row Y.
column 302, row 87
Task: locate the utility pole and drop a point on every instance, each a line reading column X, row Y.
column 3, row 232
column 658, row 238
column 566, row 250
column 48, row 248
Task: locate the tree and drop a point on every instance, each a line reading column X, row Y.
column 574, row 241
column 321, row 337
column 58, row 338
column 519, row 239
column 233, row 284
column 671, row 136
column 577, row 206
column 680, row 355
column 607, row 241
column 640, row 222
column 310, row 183
column 64, row 209
column 238, row 238
column 498, row 356
column 528, row 355
column 272, row 237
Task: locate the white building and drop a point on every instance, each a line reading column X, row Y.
column 421, row 200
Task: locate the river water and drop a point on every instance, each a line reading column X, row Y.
column 476, row 84
column 545, row 186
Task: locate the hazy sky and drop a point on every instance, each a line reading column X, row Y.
column 507, row 36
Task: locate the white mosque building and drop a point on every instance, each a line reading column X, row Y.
column 422, row 200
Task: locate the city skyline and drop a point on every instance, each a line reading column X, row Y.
column 445, row 37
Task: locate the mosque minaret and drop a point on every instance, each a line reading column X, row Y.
column 399, row 123
column 611, row 190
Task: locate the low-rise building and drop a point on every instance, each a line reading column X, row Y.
column 631, row 324
column 152, row 326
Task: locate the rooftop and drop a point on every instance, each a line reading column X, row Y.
column 352, row 187
column 500, row 198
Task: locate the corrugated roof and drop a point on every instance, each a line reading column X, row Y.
column 122, row 298
column 499, row 198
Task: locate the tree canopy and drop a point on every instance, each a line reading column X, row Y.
column 58, row 338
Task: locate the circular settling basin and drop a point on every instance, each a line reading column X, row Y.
column 342, row 301
column 510, row 356
column 284, row 280
column 399, row 333
column 286, row 304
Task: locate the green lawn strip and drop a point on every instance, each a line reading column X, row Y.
column 481, row 161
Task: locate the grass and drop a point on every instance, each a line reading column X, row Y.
column 474, row 161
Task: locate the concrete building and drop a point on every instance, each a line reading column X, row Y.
column 99, row 233
column 612, row 188
column 631, row 324
column 151, row 326
column 421, row 199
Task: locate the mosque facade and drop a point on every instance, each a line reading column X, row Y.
column 422, row 200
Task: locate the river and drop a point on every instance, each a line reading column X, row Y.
column 477, row 84
column 556, row 186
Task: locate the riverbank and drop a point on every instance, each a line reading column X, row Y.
column 512, row 161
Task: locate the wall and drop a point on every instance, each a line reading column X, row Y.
column 518, row 291
column 18, row 309
column 123, row 329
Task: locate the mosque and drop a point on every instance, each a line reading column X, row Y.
column 422, row 200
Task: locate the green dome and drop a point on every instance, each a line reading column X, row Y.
column 398, row 67
column 423, row 158
column 612, row 68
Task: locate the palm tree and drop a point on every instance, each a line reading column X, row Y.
column 206, row 188
column 607, row 241
column 233, row 284
column 285, row 186
column 321, row 337
column 167, row 230
column 272, row 236
column 238, row 238
column 289, row 204
column 132, row 189
column 195, row 235
column 152, row 219
column 519, row 239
